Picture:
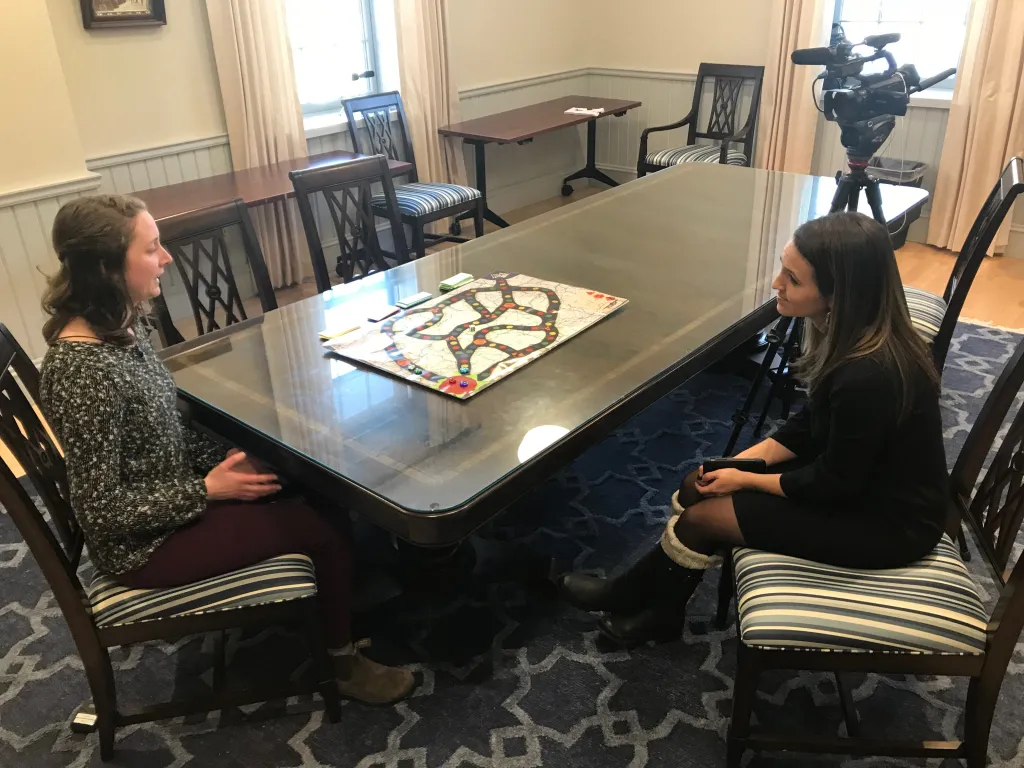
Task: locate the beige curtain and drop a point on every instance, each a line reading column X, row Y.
column 986, row 122
column 788, row 119
column 264, row 119
column 428, row 87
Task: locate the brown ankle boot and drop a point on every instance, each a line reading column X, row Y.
column 367, row 681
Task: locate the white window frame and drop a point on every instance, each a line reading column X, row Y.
column 372, row 58
column 945, row 88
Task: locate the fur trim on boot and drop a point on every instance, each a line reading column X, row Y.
column 681, row 554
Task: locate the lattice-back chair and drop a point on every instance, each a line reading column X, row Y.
column 385, row 132
column 342, row 194
column 935, row 317
column 736, row 146
column 924, row 619
column 199, row 242
column 105, row 614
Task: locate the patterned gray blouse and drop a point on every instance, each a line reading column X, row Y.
column 135, row 469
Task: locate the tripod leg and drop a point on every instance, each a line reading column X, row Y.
column 847, row 195
column 740, row 417
column 874, row 196
column 782, row 376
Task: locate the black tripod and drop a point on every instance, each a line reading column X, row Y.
column 784, row 338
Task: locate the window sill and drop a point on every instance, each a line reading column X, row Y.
column 932, row 99
column 324, row 124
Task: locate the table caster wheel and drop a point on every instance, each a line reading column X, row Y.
column 455, row 229
column 566, row 190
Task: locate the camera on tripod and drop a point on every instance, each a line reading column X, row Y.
column 864, row 105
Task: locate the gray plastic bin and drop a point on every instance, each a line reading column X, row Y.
column 892, row 170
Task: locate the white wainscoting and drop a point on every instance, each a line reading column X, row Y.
column 518, row 175
column 26, row 256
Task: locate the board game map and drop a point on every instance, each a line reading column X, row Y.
column 466, row 340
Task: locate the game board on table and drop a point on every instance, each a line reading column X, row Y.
column 464, row 341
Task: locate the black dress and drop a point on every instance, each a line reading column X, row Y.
column 867, row 490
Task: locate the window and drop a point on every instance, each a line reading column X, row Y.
column 341, row 49
column 933, row 31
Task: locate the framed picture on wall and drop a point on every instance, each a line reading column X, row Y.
column 98, row 14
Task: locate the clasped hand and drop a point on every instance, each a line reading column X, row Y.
column 722, row 481
column 238, row 477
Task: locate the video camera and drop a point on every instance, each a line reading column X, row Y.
column 864, row 105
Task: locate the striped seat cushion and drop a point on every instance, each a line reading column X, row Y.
column 287, row 577
column 421, row 198
column 926, row 311
column 696, row 153
column 930, row 606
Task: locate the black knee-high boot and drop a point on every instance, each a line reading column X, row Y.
column 664, row 616
column 628, row 592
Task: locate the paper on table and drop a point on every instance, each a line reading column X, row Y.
column 584, row 111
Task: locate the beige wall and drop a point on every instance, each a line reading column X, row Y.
column 495, row 41
column 38, row 140
column 677, row 35
column 138, row 88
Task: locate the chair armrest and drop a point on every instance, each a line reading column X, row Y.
column 672, row 126
column 738, row 136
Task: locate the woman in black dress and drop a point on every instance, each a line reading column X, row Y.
column 857, row 478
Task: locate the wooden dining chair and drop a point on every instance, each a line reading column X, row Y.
column 340, row 196
column 924, row 619
column 935, row 317
column 210, row 269
column 103, row 614
column 419, row 202
column 736, row 147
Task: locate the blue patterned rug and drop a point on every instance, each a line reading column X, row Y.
column 510, row 677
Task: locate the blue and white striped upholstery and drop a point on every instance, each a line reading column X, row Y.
column 695, row 153
column 926, row 311
column 422, row 198
column 286, row 577
column 930, row 606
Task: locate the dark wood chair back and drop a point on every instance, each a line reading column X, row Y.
column 975, row 248
column 341, row 194
column 723, row 121
column 198, row 241
column 384, row 129
column 56, row 544
column 995, row 507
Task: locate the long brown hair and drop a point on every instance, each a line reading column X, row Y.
column 854, row 265
column 91, row 236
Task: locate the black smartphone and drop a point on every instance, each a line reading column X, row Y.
column 757, row 466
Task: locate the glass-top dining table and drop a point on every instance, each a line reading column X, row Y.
column 693, row 249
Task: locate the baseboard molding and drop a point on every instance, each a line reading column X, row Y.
column 76, row 186
column 151, row 153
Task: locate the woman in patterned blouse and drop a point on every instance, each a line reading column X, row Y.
column 160, row 504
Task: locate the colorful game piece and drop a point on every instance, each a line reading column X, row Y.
column 412, row 301
column 463, row 383
column 455, row 281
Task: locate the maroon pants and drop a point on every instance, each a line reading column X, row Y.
column 236, row 534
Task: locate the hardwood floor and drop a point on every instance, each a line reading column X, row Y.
column 996, row 297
